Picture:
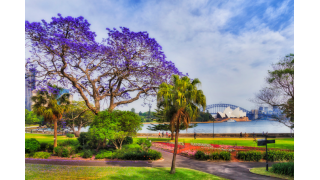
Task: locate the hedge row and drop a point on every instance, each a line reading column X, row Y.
column 272, row 155
column 283, row 168
column 224, row 155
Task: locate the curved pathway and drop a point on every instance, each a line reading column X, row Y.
column 229, row 170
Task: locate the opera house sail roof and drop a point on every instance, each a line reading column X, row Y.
column 229, row 113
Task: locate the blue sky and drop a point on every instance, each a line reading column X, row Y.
column 228, row 45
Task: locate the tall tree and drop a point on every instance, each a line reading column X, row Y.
column 78, row 116
column 125, row 64
column 50, row 104
column 279, row 91
column 184, row 98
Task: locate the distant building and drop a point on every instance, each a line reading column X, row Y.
column 265, row 109
column 29, row 87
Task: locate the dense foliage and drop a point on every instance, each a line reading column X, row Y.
column 41, row 155
column 279, row 156
column 249, row 155
column 204, row 117
column 114, row 126
column 222, row 155
column 32, row 118
column 31, row 145
column 70, row 135
column 286, row 168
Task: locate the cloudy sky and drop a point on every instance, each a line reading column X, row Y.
column 228, row 45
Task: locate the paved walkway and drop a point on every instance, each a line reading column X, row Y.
column 229, row 170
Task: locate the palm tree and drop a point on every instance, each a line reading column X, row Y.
column 181, row 101
column 51, row 105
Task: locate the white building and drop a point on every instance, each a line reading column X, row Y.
column 229, row 113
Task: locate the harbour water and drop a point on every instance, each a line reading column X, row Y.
column 229, row 127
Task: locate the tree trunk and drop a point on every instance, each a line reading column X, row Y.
column 172, row 134
column 77, row 133
column 173, row 166
column 55, row 133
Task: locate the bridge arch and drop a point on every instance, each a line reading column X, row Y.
column 214, row 108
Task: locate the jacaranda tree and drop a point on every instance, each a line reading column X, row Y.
column 185, row 100
column 122, row 68
column 51, row 104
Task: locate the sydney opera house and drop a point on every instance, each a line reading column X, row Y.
column 228, row 113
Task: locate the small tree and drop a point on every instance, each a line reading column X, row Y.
column 114, row 126
column 133, row 110
column 78, row 116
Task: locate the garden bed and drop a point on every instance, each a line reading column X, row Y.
column 189, row 150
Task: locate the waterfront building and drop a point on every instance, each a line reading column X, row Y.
column 229, row 113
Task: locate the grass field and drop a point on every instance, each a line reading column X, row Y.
column 41, row 171
column 46, row 137
column 262, row 171
column 281, row 143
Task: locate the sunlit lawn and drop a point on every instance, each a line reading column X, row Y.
column 46, row 137
column 281, row 143
column 262, row 171
column 41, row 171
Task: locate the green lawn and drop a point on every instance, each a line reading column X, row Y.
column 283, row 143
column 46, row 137
column 41, row 171
column 263, row 171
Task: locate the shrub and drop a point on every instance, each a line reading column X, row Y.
column 88, row 140
column 249, row 155
column 225, row 155
column 49, row 147
column 141, row 155
column 43, row 146
column 144, row 142
column 127, row 140
column 201, row 155
column 87, row 153
column 58, row 150
column 74, row 143
column 104, row 154
column 31, row 145
column 65, row 153
column 131, row 146
column 279, row 156
column 42, row 155
column 70, row 135
column 283, row 168
column 215, row 156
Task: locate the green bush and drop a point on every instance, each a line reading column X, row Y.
column 70, row 135
column 49, row 147
column 65, row 151
column 31, row 145
column 279, row 156
column 249, row 155
column 283, row 168
column 215, row 156
column 225, row 155
column 131, row 146
column 58, row 151
column 201, row 155
column 43, row 146
column 141, row 155
column 104, row 154
column 146, row 142
column 87, row 153
column 88, row 140
column 127, row 140
column 74, row 143
column 42, row 155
